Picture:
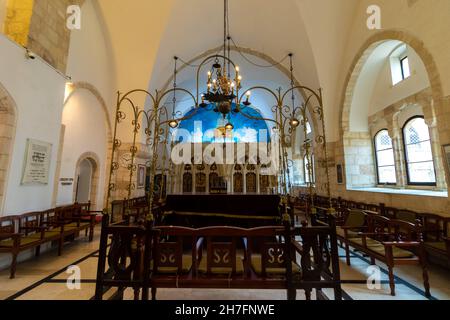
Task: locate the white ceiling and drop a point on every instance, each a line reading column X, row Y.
column 146, row 34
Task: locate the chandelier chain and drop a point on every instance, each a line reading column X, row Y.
column 175, row 72
column 292, row 79
column 257, row 64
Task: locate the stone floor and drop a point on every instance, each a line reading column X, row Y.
column 44, row 278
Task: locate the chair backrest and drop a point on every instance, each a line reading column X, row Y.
column 169, row 245
column 9, row 224
column 222, row 244
column 405, row 231
column 85, row 207
column 378, row 226
column 270, row 244
column 406, row 215
column 30, row 222
column 355, row 218
column 50, row 217
column 373, row 208
column 389, row 212
column 435, row 227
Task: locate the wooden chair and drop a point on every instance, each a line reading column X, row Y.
column 436, row 233
column 355, row 222
column 393, row 242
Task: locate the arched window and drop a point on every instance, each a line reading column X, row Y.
column 419, row 157
column 385, row 161
column 306, row 170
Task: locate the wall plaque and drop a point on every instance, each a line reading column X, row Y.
column 37, row 162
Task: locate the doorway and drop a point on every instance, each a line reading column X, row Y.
column 84, row 182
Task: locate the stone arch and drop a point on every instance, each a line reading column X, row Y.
column 365, row 166
column 95, row 162
column 8, row 120
column 92, row 89
column 96, row 93
column 364, row 53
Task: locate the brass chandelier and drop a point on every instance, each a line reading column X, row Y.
column 223, row 86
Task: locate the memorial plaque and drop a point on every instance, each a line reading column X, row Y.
column 37, row 162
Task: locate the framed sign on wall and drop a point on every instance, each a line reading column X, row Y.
column 37, row 163
column 446, row 150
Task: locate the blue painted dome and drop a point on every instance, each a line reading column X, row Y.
column 204, row 124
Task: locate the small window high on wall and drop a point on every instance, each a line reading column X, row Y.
column 400, row 67
column 419, row 156
column 404, row 64
column 385, row 158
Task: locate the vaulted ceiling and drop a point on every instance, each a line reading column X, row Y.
column 146, row 34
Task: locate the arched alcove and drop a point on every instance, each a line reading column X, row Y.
column 369, row 106
column 87, row 128
column 87, row 177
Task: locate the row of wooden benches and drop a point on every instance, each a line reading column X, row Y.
column 28, row 231
column 277, row 257
column 435, row 228
column 390, row 241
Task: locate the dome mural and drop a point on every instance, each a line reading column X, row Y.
column 205, row 125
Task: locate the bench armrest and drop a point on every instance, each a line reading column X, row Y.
column 90, row 217
column 353, row 228
column 402, row 244
column 4, row 236
column 368, row 234
column 74, row 219
column 94, row 212
column 14, row 236
column 48, row 225
column 33, row 228
column 297, row 246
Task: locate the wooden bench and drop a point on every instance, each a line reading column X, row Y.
column 393, row 242
column 217, row 258
column 31, row 230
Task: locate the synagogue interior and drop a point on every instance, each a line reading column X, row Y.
column 224, row 150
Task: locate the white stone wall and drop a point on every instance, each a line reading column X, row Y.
column 38, row 91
